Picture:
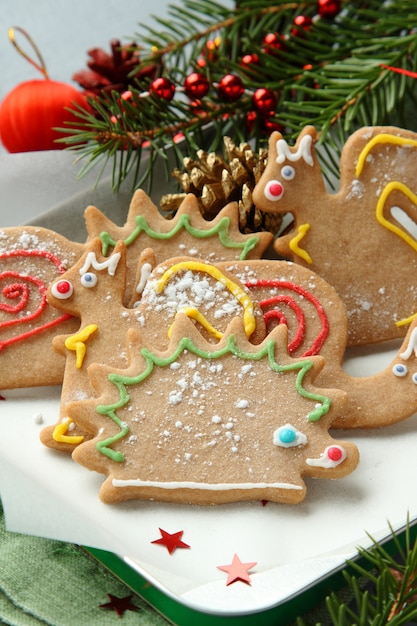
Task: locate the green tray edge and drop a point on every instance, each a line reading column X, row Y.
column 284, row 613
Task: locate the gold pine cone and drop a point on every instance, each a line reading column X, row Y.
column 217, row 180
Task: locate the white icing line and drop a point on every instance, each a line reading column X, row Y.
column 137, row 482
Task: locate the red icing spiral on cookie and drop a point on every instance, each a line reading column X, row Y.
column 278, row 316
column 24, row 296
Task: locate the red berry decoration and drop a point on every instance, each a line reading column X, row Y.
column 302, row 24
column 163, row 88
column 196, row 85
column 211, row 49
column 32, row 110
column 328, row 8
column 249, row 59
column 273, row 41
column 231, row 87
column 264, row 100
column 251, row 120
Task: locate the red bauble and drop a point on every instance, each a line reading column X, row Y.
column 163, row 88
column 196, row 85
column 31, row 111
column 328, row 8
column 231, row 87
column 264, row 100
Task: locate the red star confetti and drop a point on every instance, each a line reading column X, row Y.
column 2, row 397
column 120, row 605
column 171, row 541
column 237, row 570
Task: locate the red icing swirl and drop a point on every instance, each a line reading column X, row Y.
column 277, row 315
column 21, row 290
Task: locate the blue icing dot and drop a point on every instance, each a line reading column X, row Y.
column 399, row 369
column 287, row 435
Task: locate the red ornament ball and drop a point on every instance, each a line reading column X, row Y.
column 30, row 112
column 231, row 87
column 328, row 8
column 163, row 88
column 196, row 85
column 264, row 100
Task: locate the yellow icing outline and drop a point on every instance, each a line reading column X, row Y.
column 77, row 343
column 240, row 295
column 392, row 186
column 381, row 138
column 295, row 248
column 406, row 321
column 60, row 436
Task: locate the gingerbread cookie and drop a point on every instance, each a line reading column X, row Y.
column 186, row 234
column 359, row 239
column 92, row 291
column 317, row 324
column 204, row 423
column 30, row 259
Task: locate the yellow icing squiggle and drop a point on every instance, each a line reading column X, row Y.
column 60, row 436
column 77, row 343
column 199, row 317
column 381, row 138
column 237, row 291
column 295, row 248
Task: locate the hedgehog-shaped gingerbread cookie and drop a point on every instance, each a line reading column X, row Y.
column 203, row 423
column 186, row 234
column 92, row 291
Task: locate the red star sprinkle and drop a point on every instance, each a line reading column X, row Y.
column 171, row 541
column 2, row 397
column 120, row 605
column 237, row 570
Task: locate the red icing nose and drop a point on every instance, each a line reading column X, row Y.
column 334, row 453
column 63, row 286
column 62, row 289
column 274, row 190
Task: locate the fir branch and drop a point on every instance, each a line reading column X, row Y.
column 382, row 584
column 332, row 75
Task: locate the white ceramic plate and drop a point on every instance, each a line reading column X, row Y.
column 45, row 493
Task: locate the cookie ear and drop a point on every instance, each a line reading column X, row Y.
column 307, row 130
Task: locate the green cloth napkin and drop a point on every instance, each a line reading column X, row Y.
column 47, row 582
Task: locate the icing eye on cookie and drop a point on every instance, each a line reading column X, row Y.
column 88, row 279
column 287, row 172
column 62, row 289
column 274, row 190
column 287, row 436
column 400, row 370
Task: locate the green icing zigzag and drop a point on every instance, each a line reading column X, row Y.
column 221, row 229
column 123, row 382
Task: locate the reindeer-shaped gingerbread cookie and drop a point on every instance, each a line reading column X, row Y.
column 360, row 239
